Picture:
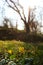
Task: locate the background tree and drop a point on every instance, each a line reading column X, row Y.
column 7, row 23
column 30, row 25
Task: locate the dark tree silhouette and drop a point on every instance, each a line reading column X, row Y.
column 30, row 24
column 7, row 23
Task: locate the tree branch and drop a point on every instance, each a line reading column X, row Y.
column 16, row 8
column 22, row 10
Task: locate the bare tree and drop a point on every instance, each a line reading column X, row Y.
column 20, row 10
column 7, row 23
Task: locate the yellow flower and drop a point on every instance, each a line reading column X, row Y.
column 21, row 49
column 9, row 51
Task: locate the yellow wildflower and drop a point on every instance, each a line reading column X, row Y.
column 9, row 51
column 21, row 49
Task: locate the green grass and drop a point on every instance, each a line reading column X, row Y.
column 21, row 50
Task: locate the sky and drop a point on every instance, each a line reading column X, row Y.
column 5, row 11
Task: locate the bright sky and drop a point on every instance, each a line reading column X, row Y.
column 5, row 11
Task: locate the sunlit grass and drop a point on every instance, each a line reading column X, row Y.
column 21, row 50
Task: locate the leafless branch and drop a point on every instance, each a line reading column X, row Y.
column 22, row 10
column 17, row 9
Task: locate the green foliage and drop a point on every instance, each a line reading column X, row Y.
column 18, row 51
column 13, row 56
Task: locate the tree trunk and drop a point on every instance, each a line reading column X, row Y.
column 27, row 28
